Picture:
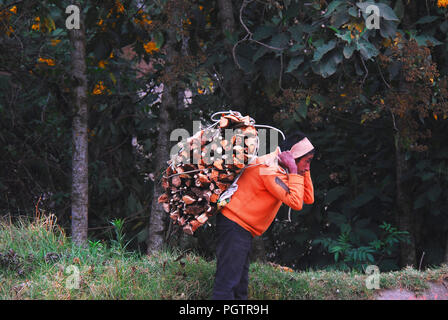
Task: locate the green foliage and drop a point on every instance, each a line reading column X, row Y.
column 169, row 274
column 349, row 254
column 313, row 66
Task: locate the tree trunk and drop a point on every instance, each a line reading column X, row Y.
column 80, row 174
column 403, row 202
column 446, row 251
column 236, row 83
column 157, row 225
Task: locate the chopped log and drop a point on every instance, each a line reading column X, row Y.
column 192, row 196
column 164, row 198
column 214, row 197
column 214, row 175
column 174, row 215
column 195, row 225
column 223, row 122
column 165, row 183
column 194, row 209
column 203, row 178
column 218, row 164
column 175, row 181
column 246, row 120
column 188, row 199
column 202, row 218
column 233, row 118
column 227, row 177
column 249, row 131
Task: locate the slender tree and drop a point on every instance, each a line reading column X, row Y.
column 157, row 226
column 80, row 173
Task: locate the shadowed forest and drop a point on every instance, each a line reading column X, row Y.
column 86, row 116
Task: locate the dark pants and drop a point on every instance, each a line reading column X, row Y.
column 232, row 260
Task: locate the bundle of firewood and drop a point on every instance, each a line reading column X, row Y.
column 205, row 166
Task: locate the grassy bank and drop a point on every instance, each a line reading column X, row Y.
column 38, row 261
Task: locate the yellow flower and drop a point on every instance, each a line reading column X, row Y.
column 200, row 91
column 442, row 3
column 150, row 47
column 99, row 88
column 55, row 42
column 435, row 116
column 49, row 62
column 387, row 42
column 119, row 6
column 102, row 64
column 343, row 94
column 36, row 26
column 13, row 9
column 9, row 31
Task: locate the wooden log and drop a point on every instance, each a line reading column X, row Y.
column 174, row 215
column 188, row 199
column 194, row 209
column 214, row 197
column 223, row 122
column 202, row 218
column 164, row 198
column 175, row 181
column 218, row 164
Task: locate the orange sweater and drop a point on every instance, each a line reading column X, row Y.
column 261, row 191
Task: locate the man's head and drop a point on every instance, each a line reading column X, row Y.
column 301, row 149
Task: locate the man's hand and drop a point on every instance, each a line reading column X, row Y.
column 286, row 159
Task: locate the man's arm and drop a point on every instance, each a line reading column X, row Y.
column 287, row 188
column 308, row 193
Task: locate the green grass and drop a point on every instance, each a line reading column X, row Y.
column 35, row 260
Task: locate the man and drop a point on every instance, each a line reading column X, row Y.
column 261, row 191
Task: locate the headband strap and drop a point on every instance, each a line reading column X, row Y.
column 301, row 148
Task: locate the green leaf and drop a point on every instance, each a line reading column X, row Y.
column 296, row 32
column 159, row 39
column 280, row 41
column 367, row 49
column 335, row 194
column 427, row 19
column 294, row 63
column 423, row 38
column 323, row 49
column 263, row 32
column 336, row 218
column 260, row 52
column 388, row 29
column 346, row 36
column 332, row 7
column 353, row 12
column 399, row 9
column 362, row 199
column 334, row 29
column 348, row 51
column 302, row 110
